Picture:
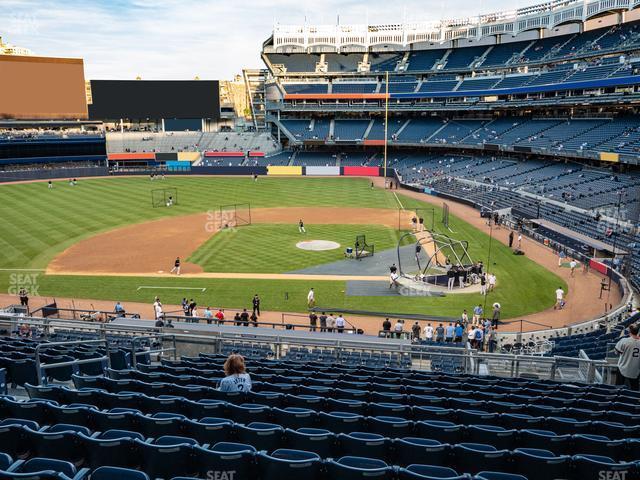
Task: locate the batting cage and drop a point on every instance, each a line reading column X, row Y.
column 425, row 218
column 362, row 248
column 234, row 215
column 164, row 197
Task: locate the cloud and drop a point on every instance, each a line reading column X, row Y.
column 172, row 39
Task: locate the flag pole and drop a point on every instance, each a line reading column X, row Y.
column 386, row 124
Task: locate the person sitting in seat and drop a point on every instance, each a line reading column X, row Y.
column 236, row 379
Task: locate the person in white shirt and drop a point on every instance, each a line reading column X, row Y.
column 393, row 279
column 428, row 332
column 559, row 298
column 331, row 323
column 519, row 241
column 492, row 282
column 398, row 327
column 471, row 336
column 340, row 322
column 311, row 298
column 157, row 308
column 572, row 265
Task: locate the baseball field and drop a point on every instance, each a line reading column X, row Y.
column 102, row 239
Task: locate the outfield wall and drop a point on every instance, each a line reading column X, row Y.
column 154, row 160
column 52, row 174
column 178, row 167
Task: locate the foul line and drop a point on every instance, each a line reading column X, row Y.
column 398, row 200
column 21, row 269
column 172, row 288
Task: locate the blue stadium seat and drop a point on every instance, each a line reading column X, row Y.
column 545, row 440
column 341, row 422
column 111, row 473
column 429, row 472
column 313, row 402
column 498, row 476
column 539, row 464
column 567, row 426
column 407, row 450
column 445, row 432
column 226, row 457
column 520, row 421
column 596, row 467
column 204, row 408
column 165, row 461
column 474, row 457
column 320, row 441
column 117, row 452
column 263, row 436
column 295, row 417
column 247, row 413
column 102, row 421
column 388, row 409
column 391, row 427
column 19, row 422
column 61, row 445
column 285, row 464
column 499, row 437
column 599, row 445
column 348, row 468
column 38, row 464
column 158, row 424
column 45, row 475
column 65, row 427
column 357, row 407
column 209, row 430
column 359, row 444
column 115, row 434
column 174, row 440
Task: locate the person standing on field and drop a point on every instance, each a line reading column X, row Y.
column 311, row 298
column 572, row 265
column 559, row 299
column 176, row 266
column 256, row 304
column 301, row 228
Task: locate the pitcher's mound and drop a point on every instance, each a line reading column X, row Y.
column 317, row 245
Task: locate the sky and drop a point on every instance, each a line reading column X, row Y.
column 182, row 39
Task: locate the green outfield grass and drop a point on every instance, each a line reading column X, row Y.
column 271, row 248
column 39, row 223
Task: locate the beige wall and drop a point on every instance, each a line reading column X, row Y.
column 42, row 88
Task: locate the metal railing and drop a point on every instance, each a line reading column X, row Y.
column 282, row 325
column 280, row 342
column 85, row 314
column 160, row 351
column 41, row 367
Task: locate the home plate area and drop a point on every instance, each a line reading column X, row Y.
column 317, row 245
